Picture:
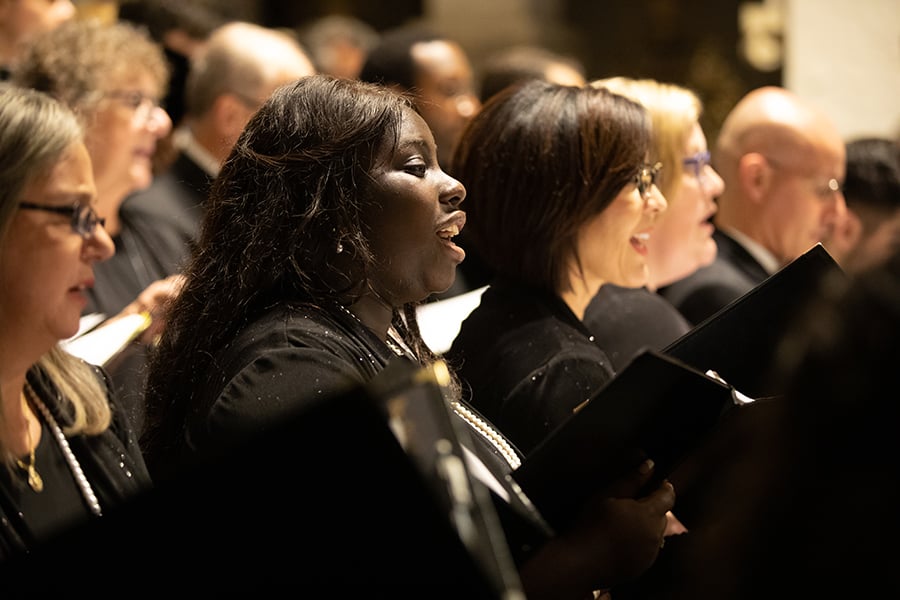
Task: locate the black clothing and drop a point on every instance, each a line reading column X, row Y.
column 142, row 257
column 709, row 289
column 527, row 360
column 626, row 320
column 281, row 363
column 174, row 203
column 285, row 362
column 174, row 102
column 159, row 227
column 111, row 461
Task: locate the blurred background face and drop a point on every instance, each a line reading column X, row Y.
column 682, row 240
column 880, row 242
column 865, row 238
column 121, row 137
column 804, row 203
column 447, row 99
column 21, row 20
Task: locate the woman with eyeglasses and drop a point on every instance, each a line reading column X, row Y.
column 561, row 200
column 626, row 319
column 67, row 453
column 112, row 76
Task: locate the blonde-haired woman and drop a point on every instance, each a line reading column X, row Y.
column 627, row 319
column 67, row 453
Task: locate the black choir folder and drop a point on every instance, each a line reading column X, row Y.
column 740, row 342
column 656, row 407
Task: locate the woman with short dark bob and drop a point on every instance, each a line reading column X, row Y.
column 330, row 221
column 561, row 201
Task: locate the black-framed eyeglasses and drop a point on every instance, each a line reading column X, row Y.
column 645, row 178
column 84, row 219
column 697, row 163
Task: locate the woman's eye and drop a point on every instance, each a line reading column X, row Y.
column 416, row 169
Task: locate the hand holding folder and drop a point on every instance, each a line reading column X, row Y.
column 656, row 408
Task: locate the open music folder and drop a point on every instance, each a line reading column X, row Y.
column 740, row 342
column 100, row 343
column 656, row 407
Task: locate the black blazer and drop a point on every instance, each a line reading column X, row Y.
column 527, row 361
column 174, row 202
column 626, row 320
column 733, row 273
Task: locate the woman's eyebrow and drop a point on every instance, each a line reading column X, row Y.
column 414, row 144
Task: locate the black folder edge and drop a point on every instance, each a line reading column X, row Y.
column 416, row 401
column 656, row 407
column 739, row 342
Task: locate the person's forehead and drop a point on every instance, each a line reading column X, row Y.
column 414, row 127
column 440, row 57
column 413, row 134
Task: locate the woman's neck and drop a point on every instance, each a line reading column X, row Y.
column 579, row 295
column 373, row 312
column 19, row 426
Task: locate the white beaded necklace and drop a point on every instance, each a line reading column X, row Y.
column 83, row 484
column 500, row 444
column 487, row 432
column 393, row 340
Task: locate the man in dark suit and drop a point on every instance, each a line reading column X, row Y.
column 240, row 66
column 782, row 161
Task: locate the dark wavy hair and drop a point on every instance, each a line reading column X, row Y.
column 292, row 189
column 538, row 162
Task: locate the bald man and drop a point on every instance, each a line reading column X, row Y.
column 783, row 163
column 237, row 70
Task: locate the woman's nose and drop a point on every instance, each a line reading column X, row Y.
column 160, row 123
column 655, row 200
column 454, row 193
column 98, row 246
column 713, row 182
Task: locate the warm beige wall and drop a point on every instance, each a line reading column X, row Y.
column 845, row 54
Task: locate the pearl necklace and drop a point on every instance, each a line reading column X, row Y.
column 80, row 479
column 487, row 432
column 392, row 340
column 494, row 438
